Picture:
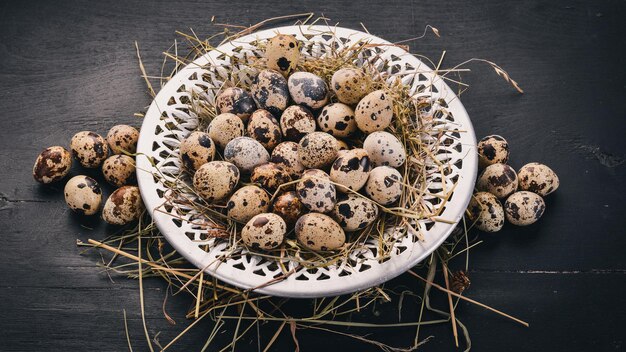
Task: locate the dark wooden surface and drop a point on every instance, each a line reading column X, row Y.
column 70, row 66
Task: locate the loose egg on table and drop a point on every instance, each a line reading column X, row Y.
column 246, row 153
column 123, row 138
column 350, row 85
column 316, row 191
column 498, row 179
column 308, row 89
column 486, row 212
column 296, row 122
column 215, row 180
column 384, row 185
column 286, row 155
column 123, row 206
column 83, row 195
column 282, row 53
column 264, row 128
column 195, row 150
column 236, row 101
column 269, row 176
column 338, row 120
column 119, row 170
column 492, row 149
column 374, row 112
column 351, row 170
column 354, row 212
column 537, row 178
column 89, row 148
column 385, row 149
column 317, row 150
column 270, row 92
column 52, row 165
column 264, row 231
column 319, row 232
column 247, row 202
column 289, row 207
column 524, row 208
column 224, row 128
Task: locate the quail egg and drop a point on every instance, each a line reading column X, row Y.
column 247, row 202
column 317, row 150
column 374, row 112
column 83, row 195
column 491, row 150
column 289, row 207
column 246, row 153
column 119, row 170
column 524, row 208
column 195, row 150
column 264, row 127
column 537, row 178
column 384, row 185
column 308, row 89
column 236, row 101
column 286, row 155
column 123, row 138
column 264, row 231
column 52, row 165
column 270, row 92
column 123, row 206
column 354, row 212
column 282, row 53
column 487, row 212
column 316, row 191
column 350, row 85
column 224, row 128
column 351, row 170
column 269, row 176
column 337, row 119
column 342, row 145
column 385, row 149
column 498, row 179
column 215, row 180
column 89, row 148
column 296, row 121
column 319, row 232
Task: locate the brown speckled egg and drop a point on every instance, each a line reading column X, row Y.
column 282, row 53
column 264, row 231
column 52, row 164
column 337, row 119
column 316, row 191
column 246, row 153
column 296, row 122
column 486, row 212
column 264, row 127
column 123, row 206
column 354, row 212
column 270, row 92
column 196, row 150
column 236, row 101
column 123, row 138
column 317, row 150
column 492, row 150
column 215, row 180
column 350, row 85
column 289, row 207
column 342, row 145
column 269, row 176
column 498, row 179
column 247, row 202
column 319, row 232
column 374, row 112
column 384, row 185
column 83, row 195
column 286, row 155
column 524, row 208
column 308, row 89
column 385, row 149
column 89, row 148
column 119, row 170
column 224, row 128
column 537, row 178
column 351, row 169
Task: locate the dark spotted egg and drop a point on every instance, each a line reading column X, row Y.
column 289, row 207
column 350, row 85
column 308, row 89
column 296, row 121
column 123, row 206
column 236, row 101
column 486, row 212
column 215, row 180
column 286, row 155
column 498, row 179
column 119, row 170
column 351, row 170
column 264, row 127
column 123, row 138
column 374, row 112
column 270, row 92
column 247, row 202
column 491, row 150
column 52, row 165
column 337, row 119
column 195, row 150
column 282, row 53
column 246, row 153
column 89, row 148
column 269, row 176
column 264, row 231
column 524, row 208
column 384, row 185
column 83, row 195
column 537, row 178
column 316, row 191
column 224, row 128
column 384, row 148
column 319, row 232
column 354, row 212
column 317, row 150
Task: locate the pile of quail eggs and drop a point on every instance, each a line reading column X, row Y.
column 82, row 193
column 521, row 191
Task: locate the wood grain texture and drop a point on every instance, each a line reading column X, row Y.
column 70, row 66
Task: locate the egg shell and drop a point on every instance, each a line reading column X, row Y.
column 537, row 178
column 123, row 206
column 264, row 231
column 119, row 170
column 282, row 53
column 317, row 150
column 296, row 122
column 354, row 212
column 342, row 145
column 350, row 85
column 319, row 232
column 246, row 153
column 351, row 169
column 264, row 128
column 308, row 89
column 498, row 179
column 338, row 120
column 270, row 92
column 289, row 207
column 236, row 101
column 374, row 112
column 487, row 212
column 384, row 185
column 215, row 180
column 247, row 202
column 123, row 138
column 195, row 150
column 492, row 149
column 316, row 191
column 52, row 165
column 89, row 148
column 524, row 208
column 286, row 155
column 224, row 128
column 83, row 195
column 384, row 149
column 269, row 176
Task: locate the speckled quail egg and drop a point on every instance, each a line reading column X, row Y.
column 123, row 206
column 247, row 202
column 52, row 164
column 537, row 178
column 296, row 121
column 351, row 170
column 337, row 119
column 316, row 191
column 83, row 195
column 491, row 150
column 89, row 148
column 524, row 208
column 486, row 212
column 384, row 185
column 308, row 89
column 236, row 101
column 354, row 212
column 270, row 92
column 319, row 232
column 374, row 112
column 264, row 127
column 224, row 128
column 286, row 155
column 269, row 176
column 119, row 170
column 350, row 85
column 282, row 53
column 289, row 207
column 317, row 150
column 264, row 231
column 498, row 179
column 123, row 138
column 342, row 145
column 385, row 149
column 197, row 149
column 215, row 180
column 246, row 153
